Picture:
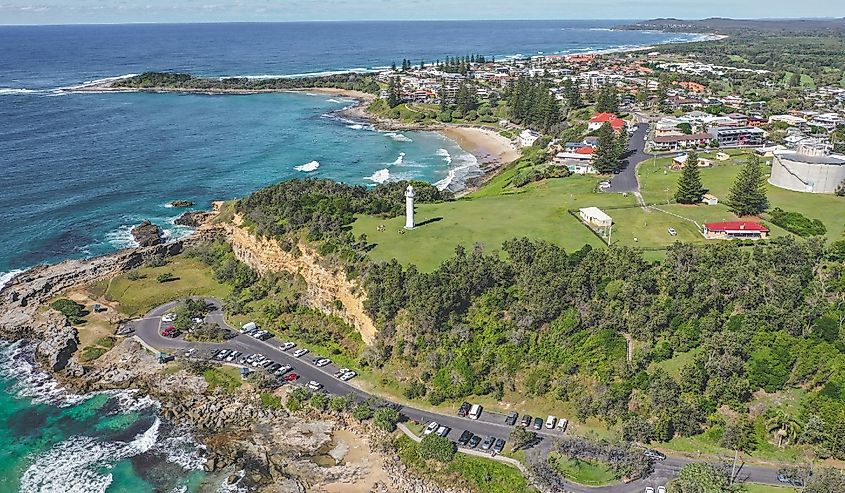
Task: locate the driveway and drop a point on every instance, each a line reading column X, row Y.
column 148, row 330
column 626, row 180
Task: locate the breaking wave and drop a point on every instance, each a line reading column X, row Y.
column 400, row 159
column 380, row 176
column 308, row 167
column 398, row 137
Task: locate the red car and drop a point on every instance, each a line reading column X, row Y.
column 170, row 332
column 290, row 377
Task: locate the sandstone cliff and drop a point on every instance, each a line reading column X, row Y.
column 326, row 285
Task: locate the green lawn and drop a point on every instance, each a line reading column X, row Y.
column 674, row 365
column 476, row 473
column 656, row 179
column 765, row 488
column 138, row 296
column 584, row 472
column 226, row 377
column 539, row 211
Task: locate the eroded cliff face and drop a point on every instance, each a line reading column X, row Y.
column 326, row 285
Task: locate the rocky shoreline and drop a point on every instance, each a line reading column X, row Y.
column 258, row 447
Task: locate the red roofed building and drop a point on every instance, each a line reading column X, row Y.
column 600, row 119
column 731, row 230
column 588, row 151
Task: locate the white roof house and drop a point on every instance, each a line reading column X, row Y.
column 528, row 137
column 595, row 216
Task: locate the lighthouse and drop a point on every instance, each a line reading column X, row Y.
column 409, row 207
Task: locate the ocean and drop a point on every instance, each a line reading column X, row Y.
column 80, row 169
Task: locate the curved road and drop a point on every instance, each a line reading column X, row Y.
column 148, row 330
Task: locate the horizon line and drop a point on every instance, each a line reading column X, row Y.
column 341, row 21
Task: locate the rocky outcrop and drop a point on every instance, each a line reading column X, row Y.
column 57, row 342
column 194, row 219
column 147, row 234
column 181, row 203
column 329, row 289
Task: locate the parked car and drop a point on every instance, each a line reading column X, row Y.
column 511, row 419
column 259, row 360
column 654, row 455
column 661, row 489
column 474, row 441
column 649, row 489
column 672, row 232
column 538, row 423
column 221, row 354
column 190, row 352
column 168, row 318
column 464, row 409
column 299, row 352
column 348, row 376
column 314, row 385
column 551, row 421
column 322, row 362
column 790, row 480
column 275, row 366
column 526, row 421
column 262, row 335
column 290, row 377
column 340, row 372
column 499, row 445
column 562, row 423
column 233, row 355
column 443, row 430
column 288, row 345
column 465, row 437
column 487, row 443
column 282, row 370
column 475, row 411
column 431, row 428
column 170, row 331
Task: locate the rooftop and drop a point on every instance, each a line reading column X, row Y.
column 732, row 226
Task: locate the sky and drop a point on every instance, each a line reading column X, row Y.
column 125, row 11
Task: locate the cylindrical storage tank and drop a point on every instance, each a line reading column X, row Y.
column 807, row 172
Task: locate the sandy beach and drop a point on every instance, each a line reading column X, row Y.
column 486, row 144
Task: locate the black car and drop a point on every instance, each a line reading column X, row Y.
column 511, row 419
column 487, row 443
column 474, row 441
column 499, row 445
column 538, row 423
column 464, row 409
column 526, row 421
column 465, row 437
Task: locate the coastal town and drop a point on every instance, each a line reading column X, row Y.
column 638, row 286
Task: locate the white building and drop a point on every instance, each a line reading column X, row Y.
column 595, row 216
column 527, row 138
column 809, row 169
column 409, row 208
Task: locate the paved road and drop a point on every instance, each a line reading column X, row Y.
column 148, row 330
column 626, row 180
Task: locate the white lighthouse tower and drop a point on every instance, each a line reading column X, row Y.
column 409, row 207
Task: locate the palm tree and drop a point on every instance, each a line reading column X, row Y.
column 784, row 427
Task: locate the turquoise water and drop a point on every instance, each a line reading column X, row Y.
column 78, row 170
column 55, row 441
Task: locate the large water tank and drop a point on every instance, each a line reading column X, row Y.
column 810, row 168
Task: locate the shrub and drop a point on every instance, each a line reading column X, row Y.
column 437, row 448
column 134, row 275
column 156, row 261
column 91, row 353
column 271, row 401
column 70, row 309
column 165, row 277
column 362, row 412
column 386, row 418
column 797, row 223
column 319, row 401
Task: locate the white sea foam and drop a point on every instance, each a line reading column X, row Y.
column 95, row 82
column 444, row 153
column 17, row 362
column 400, row 159
column 379, row 176
column 4, row 91
column 121, row 237
column 235, row 487
column 308, row 167
column 461, row 168
column 398, row 137
column 180, row 448
column 5, row 277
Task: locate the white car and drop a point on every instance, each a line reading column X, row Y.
column 287, row 345
column 190, row 352
column 431, row 428
column 661, row 489
column 551, row 421
column 604, row 184
column 561, row 424
column 340, row 372
column 197, row 320
column 315, row 386
column 168, row 317
column 348, row 376
column 672, row 232
column 649, row 489
column 300, row 352
column 283, row 369
column 322, row 362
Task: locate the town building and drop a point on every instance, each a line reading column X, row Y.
column 738, row 137
column 599, row 119
column 680, row 141
column 595, row 216
column 735, row 230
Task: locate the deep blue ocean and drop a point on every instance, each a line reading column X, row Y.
column 78, row 170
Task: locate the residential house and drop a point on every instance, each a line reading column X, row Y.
column 677, row 142
column 599, row 119
column 595, row 216
column 733, row 230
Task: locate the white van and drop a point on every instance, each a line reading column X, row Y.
column 248, row 326
column 551, row 421
column 475, row 411
column 561, row 424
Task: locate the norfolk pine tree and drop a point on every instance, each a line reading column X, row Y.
column 748, row 193
column 605, row 159
column 690, row 190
